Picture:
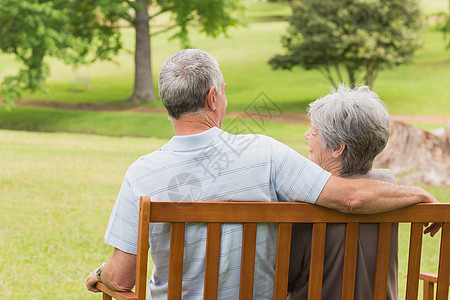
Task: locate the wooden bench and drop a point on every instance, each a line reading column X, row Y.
column 215, row 213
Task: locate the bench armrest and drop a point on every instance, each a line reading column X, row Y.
column 429, row 280
column 114, row 294
column 430, row 277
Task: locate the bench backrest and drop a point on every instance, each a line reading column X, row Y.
column 251, row 213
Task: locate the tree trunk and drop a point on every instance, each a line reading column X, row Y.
column 351, row 76
column 143, row 80
column 416, row 156
column 329, row 76
column 371, row 74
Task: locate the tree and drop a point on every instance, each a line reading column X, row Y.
column 74, row 31
column 442, row 20
column 82, row 31
column 213, row 16
column 360, row 37
column 445, row 25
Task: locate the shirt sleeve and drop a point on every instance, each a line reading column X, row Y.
column 122, row 230
column 295, row 177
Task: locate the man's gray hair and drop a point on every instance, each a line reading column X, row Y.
column 356, row 117
column 185, row 79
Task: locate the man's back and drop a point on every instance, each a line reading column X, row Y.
column 213, row 165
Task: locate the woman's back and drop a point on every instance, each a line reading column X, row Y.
column 334, row 256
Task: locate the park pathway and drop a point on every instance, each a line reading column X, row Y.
column 286, row 117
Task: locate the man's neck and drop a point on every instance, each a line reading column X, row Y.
column 193, row 124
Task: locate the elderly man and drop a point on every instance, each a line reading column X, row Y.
column 252, row 168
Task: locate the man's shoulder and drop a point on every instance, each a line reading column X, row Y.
column 254, row 137
column 146, row 160
column 252, row 144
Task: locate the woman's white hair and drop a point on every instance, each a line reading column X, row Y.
column 184, row 80
column 354, row 117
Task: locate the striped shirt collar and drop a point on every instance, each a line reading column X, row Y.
column 194, row 141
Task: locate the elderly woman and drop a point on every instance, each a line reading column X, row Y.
column 349, row 127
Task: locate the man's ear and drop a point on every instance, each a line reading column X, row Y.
column 211, row 98
column 338, row 152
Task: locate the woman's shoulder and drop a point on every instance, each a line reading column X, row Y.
column 376, row 174
column 381, row 174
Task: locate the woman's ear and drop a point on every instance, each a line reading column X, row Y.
column 211, row 98
column 338, row 152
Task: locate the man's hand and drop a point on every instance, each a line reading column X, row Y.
column 432, row 229
column 118, row 274
column 91, row 281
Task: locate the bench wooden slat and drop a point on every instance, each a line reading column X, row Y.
column 415, row 252
column 382, row 264
column 142, row 250
column 350, row 256
column 212, row 260
column 107, row 297
column 282, row 263
column 248, row 256
column 288, row 212
column 444, row 264
column 428, row 291
column 176, row 261
column 316, row 264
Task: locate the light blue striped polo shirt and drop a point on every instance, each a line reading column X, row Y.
column 212, row 165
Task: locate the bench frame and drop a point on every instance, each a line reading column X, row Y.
column 251, row 213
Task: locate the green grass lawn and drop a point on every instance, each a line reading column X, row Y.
column 133, row 124
column 56, row 194
column 57, row 191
